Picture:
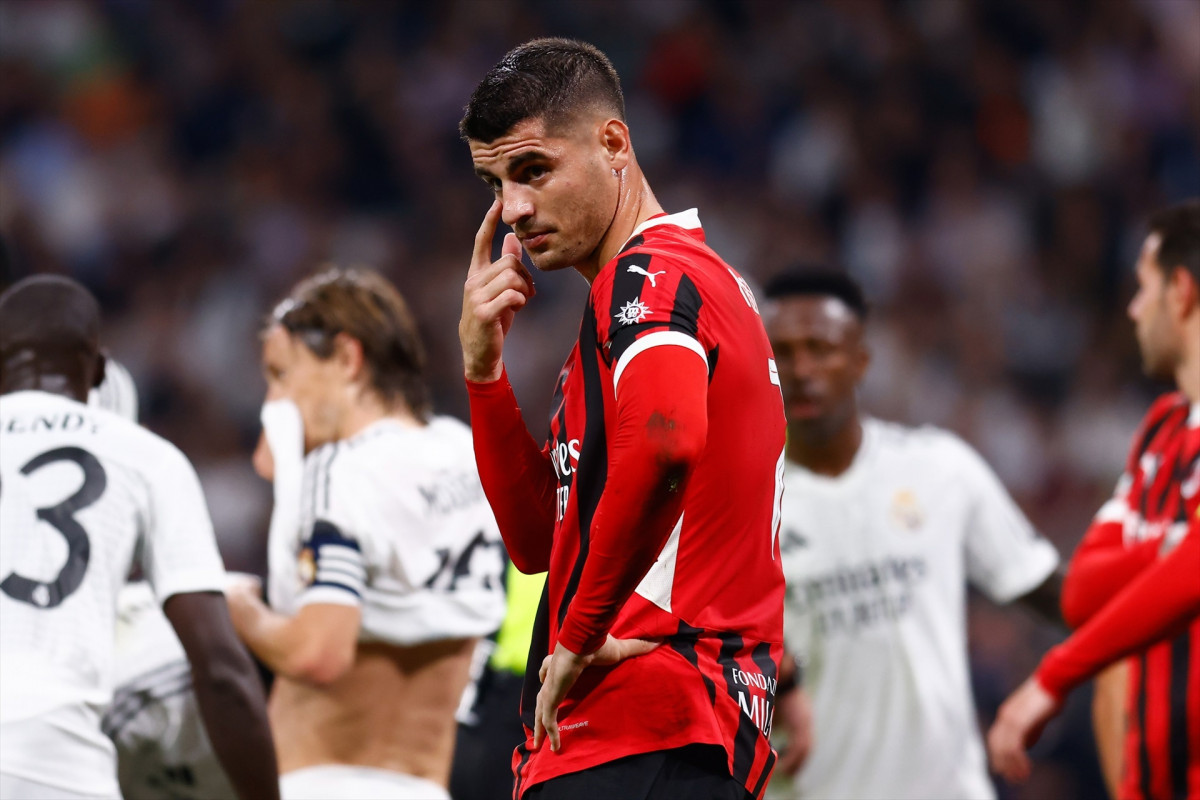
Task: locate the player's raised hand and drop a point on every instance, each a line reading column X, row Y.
column 559, row 672
column 1018, row 724
column 493, row 293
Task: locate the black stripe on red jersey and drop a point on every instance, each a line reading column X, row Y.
column 1162, row 485
column 766, row 773
column 761, row 656
column 1184, row 467
column 628, row 286
column 1181, row 667
column 746, row 738
column 539, row 648
column 636, row 241
column 1144, row 782
column 592, row 472
column 1151, row 431
column 684, row 643
column 712, row 361
column 518, row 784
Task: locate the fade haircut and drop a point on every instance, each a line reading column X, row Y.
column 365, row 306
column 553, row 79
column 50, row 315
column 1178, row 228
column 808, row 281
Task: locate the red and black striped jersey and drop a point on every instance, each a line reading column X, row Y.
column 714, row 595
column 1139, row 567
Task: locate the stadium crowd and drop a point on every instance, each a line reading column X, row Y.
column 982, row 168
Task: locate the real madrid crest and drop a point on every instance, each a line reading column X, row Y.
column 306, row 566
column 906, row 511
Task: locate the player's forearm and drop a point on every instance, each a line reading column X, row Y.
column 662, row 428
column 517, row 477
column 234, row 711
column 1101, row 567
column 1109, row 722
column 271, row 636
column 1154, row 606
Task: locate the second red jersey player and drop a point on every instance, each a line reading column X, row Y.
column 1133, row 587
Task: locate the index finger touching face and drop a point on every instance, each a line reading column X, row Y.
column 483, row 238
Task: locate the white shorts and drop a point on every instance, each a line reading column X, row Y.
column 14, row 788
column 344, row 782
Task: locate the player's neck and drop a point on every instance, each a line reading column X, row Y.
column 826, row 454
column 362, row 415
column 1187, row 374
column 635, row 204
column 29, row 380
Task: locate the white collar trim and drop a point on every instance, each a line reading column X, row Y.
column 688, row 220
column 1193, row 419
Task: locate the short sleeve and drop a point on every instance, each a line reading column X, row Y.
column 647, row 301
column 179, row 549
column 332, row 562
column 1005, row 556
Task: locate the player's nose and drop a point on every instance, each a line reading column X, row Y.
column 516, row 205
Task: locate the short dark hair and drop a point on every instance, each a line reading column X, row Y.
column 365, row 306
column 808, row 280
column 1178, row 227
column 548, row 78
column 51, row 315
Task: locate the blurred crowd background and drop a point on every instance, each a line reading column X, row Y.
column 983, row 167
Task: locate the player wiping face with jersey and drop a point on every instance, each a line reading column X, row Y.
column 385, row 561
column 84, row 494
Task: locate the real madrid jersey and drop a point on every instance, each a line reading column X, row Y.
column 83, row 494
column 876, row 562
column 393, row 520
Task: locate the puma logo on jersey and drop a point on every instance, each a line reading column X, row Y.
column 636, row 270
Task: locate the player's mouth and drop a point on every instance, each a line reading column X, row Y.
column 804, row 406
column 534, row 240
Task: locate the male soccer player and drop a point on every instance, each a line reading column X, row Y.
column 1133, row 586
column 883, row 526
column 385, row 561
column 83, row 494
column 654, row 502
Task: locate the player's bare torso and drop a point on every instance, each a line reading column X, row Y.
column 393, row 710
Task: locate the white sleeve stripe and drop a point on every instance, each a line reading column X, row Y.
column 341, row 563
column 331, row 595
column 336, row 573
column 1115, row 510
column 339, row 551
column 657, row 339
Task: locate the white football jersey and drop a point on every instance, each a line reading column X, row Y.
column 394, row 520
column 83, row 494
column 876, row 562
column 117, row 392
column 163, row 751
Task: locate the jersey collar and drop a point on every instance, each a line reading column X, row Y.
column 688, row 220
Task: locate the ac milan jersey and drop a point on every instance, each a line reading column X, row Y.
column 715, row 592
column 1156, row 502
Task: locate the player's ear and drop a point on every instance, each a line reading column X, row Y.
column 101, row 366
column 1183, row 287
column 348, row 354
column 614, row 135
